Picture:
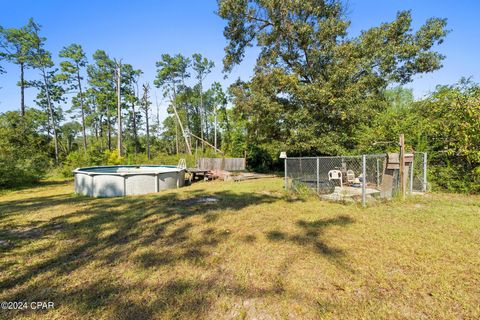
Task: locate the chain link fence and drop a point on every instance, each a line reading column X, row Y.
column 418, row 173
column 353, row 178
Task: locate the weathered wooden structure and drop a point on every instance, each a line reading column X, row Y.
column 217, row 164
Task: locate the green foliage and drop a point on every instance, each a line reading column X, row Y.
column 78, row 158
column 24, row 156
column 314, row 85
column 315, row 90
column 452, row 128
column 259, row 159
column 113, row 158
column 17, row 45
column 95, row 156
column 446, row 125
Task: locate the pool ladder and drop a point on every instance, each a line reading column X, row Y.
column 182, row 164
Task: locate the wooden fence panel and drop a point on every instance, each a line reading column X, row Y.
column 228, row 164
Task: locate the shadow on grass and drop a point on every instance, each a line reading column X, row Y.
column 310, row 236
column 150, row 232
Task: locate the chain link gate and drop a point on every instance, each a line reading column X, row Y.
column 352, row 178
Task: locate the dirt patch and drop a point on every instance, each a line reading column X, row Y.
column 188, row 202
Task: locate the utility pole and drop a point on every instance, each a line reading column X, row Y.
column 119, row 108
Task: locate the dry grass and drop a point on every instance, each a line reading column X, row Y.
column 256, row 253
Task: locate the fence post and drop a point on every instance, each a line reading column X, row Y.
column 424, row 172
column 378, row 174
column 411, row 173
column 286, row 176
column 364, row 180
column 318, row 175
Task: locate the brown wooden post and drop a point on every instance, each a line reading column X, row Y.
column 402, row 166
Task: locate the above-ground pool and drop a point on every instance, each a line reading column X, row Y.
column 117, row 181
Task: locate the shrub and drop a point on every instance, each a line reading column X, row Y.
column 24, row 153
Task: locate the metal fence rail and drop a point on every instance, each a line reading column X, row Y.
column 352, row 178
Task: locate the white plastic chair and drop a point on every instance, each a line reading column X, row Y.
column 350, row 176
column 335, row 175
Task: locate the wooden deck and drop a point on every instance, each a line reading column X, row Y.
column 196, row 173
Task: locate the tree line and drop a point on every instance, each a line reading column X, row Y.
column 315, row 90
column 106, row 101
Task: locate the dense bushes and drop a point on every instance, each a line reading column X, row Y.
column 24, row 152
column 451, row 125
column 446, row 125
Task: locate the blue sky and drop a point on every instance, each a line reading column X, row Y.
column 140, row 31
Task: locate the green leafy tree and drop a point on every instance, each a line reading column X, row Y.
column 219, row 105
column 450, row 123
column 314, row 85
column 23, row 148
column 101, row 78
column 18, row 45
column 382, row 132
column 68, row 133
column 130, row 92
column 445, row 124
column 50, row 102
column 202, row 67
column 145, row 105
column 42, row 61
column 93, row 118
column 171, row 74
column 71, row 68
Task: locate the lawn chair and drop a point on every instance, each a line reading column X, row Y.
column 335, row 175
column 350, row 176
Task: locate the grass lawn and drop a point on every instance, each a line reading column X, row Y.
column 256, row 253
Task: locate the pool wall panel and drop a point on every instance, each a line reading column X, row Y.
column 114, row 184
column 83, row 184
column 108, row 186
column 140, row 184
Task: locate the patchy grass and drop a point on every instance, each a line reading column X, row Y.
column 255, row 253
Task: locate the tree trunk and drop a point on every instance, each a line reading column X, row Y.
column 83, row 111
column 202, row 120
column 176, row 135
column 97, row 122
column 189, row 151
column 22, row 89
column 109, row 129
column 215, row 129
column 158, row 116
column 50, row 108
column 119, row 112
column 135, row 136
column 101, row 131
column 148, row 134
